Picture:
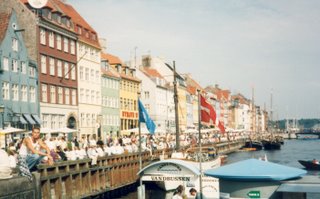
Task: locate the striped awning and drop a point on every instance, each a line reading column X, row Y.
column 36, row 118
column 29, row 119
column 22, row 120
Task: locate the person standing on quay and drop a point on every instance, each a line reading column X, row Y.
column 31, row 153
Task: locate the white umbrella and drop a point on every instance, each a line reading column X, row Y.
column 47, row 130
column 11, row 130
column 66, row 130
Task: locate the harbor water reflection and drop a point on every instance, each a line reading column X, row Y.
column 290, row 153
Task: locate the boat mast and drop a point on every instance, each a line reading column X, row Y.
column 175, row 96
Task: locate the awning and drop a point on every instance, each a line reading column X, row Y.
column 29, row 119
column 22, row 120
column 36, row 118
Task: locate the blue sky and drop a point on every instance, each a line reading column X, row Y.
column 272, row 45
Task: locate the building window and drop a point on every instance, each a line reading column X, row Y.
column 51, row 65
column 60, row 95
column 32, row 71
column 92, row 75
column 66, row 44
column 15, row 92
column 5, row 91
column 14, row 65
column 66, row 70
column 59, row 68
column 146, row 95
column 87, row 74
column 14, row 44
column 81, row 72
column 67, row 95
column 72, row 47
column 52, row 94
column 58, row 42
column 23, row 68
column 44, row 95
column 61, row 119
column 51, row 39
column 42, row 36
column 53, row 121
column 92, row 97
column 73, row 72
column 24, row 96
column 5, row 63
column 83, row 119
column 98, row 97
column 98, row 76
column 45, row 120
column 82, row 95
column 87, row 95
column 59, row 19
column 32, row 94
column 93, row 119
column 74, row 97
column 43, row 64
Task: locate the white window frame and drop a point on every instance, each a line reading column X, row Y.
column 59, row 41
column 32, row 91
column 65, row 44
column 32, row 71
column 23, row 67
column 67, row 95
column 5, row 63
column 15, row 92
column 43, row 64
column 60, row 95
column 44, row 92
column 59, row 68
column 66, row 70
column 14, row 66
column 81, row 73
column 74, row 97
column 5, row 90
column 15, row 44
column 51, row 39
column 42, row 36
column 24, row 91
column 72, row 47
column 52, row 66
column 73, row 72
column 52, row 94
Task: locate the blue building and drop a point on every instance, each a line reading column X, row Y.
column 18, row 77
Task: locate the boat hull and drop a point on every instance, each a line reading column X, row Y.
column 309, row 165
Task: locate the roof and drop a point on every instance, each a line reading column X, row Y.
column 306, row 184
column 78, row 20
column 181, row 163
column 129, row 77
column 4, row 22
column 151, row 72
column 113, row 60
column 255, row 170
column 110, row 73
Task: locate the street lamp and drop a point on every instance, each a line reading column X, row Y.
column 2, row 115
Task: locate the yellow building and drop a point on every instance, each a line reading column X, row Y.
column 129, row 88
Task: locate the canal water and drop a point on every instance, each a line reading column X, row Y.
column 290, row 153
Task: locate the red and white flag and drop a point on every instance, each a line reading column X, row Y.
column 208, row 114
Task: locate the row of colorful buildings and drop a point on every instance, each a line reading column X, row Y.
column 54, row 72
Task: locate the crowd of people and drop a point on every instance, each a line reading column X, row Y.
column 32, row 150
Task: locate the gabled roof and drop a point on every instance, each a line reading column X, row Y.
column 129, row 77
column 151, row 72
column 110, row 73
column 4, row 22
column 113, row 60
column 79, row 21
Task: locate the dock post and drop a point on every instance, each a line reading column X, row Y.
column 141, row 191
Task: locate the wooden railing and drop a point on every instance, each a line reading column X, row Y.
column 79, row 178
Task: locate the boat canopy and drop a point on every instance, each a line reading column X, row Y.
column 170, row 166
column 255, row 170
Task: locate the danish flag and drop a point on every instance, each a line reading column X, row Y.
column 208, row 114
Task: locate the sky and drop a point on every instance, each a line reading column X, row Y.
column 269, row 46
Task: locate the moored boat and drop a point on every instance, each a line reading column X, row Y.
column 309, row 165
column 271, row 145
column 253, row 145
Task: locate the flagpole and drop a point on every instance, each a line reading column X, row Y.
column 200, row 146
column 141, row 192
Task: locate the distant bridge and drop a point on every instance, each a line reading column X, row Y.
column 309, row 132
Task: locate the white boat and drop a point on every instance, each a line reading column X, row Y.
column 183, row 168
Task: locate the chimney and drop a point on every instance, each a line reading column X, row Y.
column 103, row 44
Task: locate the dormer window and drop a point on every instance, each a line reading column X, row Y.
column 79, row 30
column 94, row 37
column 59, row 19
column 68, row 23
column 87, row 34
column 49, row 15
